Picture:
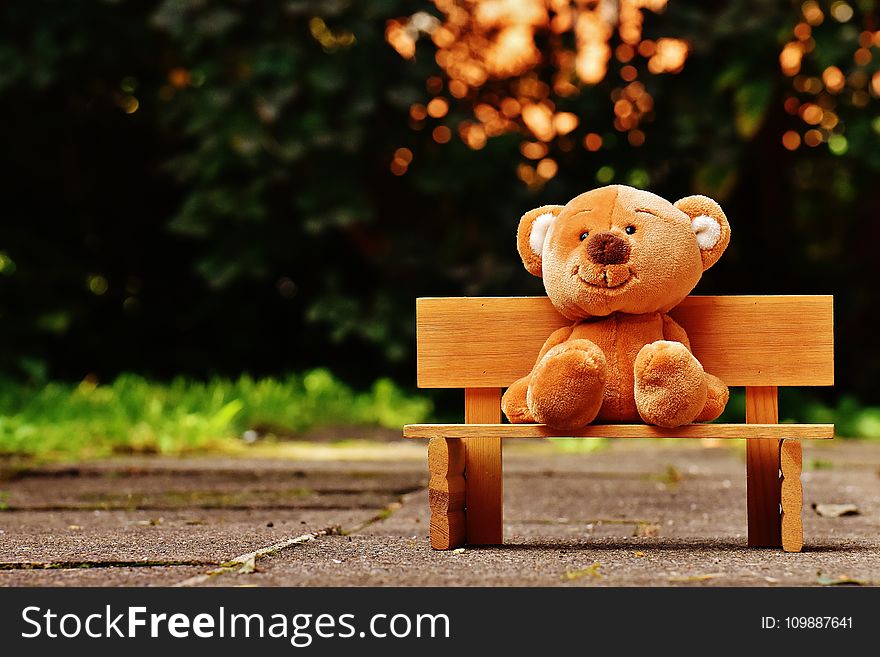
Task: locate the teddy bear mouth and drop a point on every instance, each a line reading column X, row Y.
column 606, row 279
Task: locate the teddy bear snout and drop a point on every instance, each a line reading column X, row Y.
column 607, row 249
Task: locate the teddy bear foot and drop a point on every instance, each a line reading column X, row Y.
column 567, row 386
column 670, row 384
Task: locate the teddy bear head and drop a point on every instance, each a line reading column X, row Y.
column 619, row 249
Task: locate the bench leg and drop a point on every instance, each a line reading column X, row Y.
column 483, row 469
column 762, row 470
column 446, row 492
column 792, row 493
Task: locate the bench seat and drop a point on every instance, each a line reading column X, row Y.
column 715, row 431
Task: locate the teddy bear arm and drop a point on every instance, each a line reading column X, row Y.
column 716, row 399
column 513, row 403
column 557, row 337
column 673, row 331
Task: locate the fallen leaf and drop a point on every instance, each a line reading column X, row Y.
column 589, row 571
column 840, row 580
column 638, row 553
column 836, row 510
column 458, row 551
column 249, row 566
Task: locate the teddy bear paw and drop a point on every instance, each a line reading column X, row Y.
column 670, row 384
column 568, row 384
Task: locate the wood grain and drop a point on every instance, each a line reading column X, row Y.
column 792, row 495
column 750, row 432
column 484, row 513
column 446, row 492
column 762, row 470
column 474, row 342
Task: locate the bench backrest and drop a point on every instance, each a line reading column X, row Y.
column 488, row 342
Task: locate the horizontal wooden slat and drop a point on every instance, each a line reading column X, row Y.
column 746, row 340
column 741, row 431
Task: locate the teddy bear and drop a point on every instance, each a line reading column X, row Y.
column 615, row 260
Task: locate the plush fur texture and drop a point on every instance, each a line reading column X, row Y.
column 614, row 261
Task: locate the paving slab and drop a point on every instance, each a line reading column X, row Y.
column 160, row 521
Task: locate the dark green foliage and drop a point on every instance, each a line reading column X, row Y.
column 243, row 217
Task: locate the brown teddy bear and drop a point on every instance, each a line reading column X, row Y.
column 615, row 260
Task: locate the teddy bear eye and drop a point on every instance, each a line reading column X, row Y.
column 630, row 230
column 584, row 235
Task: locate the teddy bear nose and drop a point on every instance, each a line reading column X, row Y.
column 608, row 249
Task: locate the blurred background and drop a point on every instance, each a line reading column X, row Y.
column 217, row 216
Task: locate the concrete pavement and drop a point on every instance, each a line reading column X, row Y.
column 635, row 513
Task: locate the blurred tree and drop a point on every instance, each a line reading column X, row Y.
column 203, row 187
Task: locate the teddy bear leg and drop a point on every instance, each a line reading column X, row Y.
column 513, row 403
column 567, row 385
column 670, row 384
column 716, row 400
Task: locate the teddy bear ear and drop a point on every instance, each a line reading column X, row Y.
column 530, row 236
column 709, row 225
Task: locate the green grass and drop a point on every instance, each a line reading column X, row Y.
column 852, row 419
column 133, row 415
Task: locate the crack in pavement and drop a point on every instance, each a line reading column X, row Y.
column 63, row 565
column 127, row 505
column 588, row 521
column 246, row 563
column 384, row 514
column 182, row 507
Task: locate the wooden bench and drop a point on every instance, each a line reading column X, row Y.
column 484, row 344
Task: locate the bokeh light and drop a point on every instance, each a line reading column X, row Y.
column 832, row 79
column 791, row 140
column 492, row 64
